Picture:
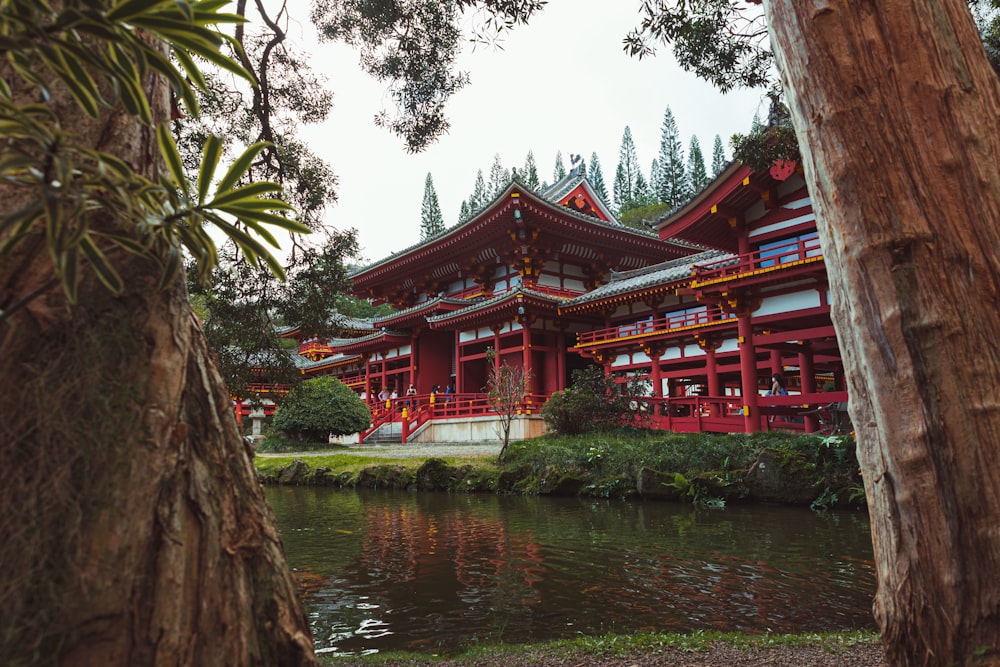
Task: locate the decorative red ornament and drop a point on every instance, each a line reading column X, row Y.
column 782, row 169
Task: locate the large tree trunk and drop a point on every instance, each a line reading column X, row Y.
column 134, row 529
column 896, row 110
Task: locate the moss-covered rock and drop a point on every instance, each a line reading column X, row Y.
column 781, row 478
column 294, row 474
column 435, row 475
column 385, row 477
column 655, row 485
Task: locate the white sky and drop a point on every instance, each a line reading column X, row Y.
column 561, row 83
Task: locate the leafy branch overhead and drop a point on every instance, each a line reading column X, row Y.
column 89, row 204
column 413, row 46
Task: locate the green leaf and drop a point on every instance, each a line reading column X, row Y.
column 209, row 161
column 172, row 157
column 105, row 272
column 171, row 268
column 248, row 192
column 123, row 11
column 129, row 85
column 240, row 166
column 270, row 219
column 70, row 275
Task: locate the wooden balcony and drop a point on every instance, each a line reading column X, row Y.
column 315, row 349
column 767, row 260
column 669, row 324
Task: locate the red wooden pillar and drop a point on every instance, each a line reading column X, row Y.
column 526, row 358
column 385, row 379
column 776, row 365
column 561, row 353
column 413, row 365
column 710, row 345
column 458, row 363
column 748, row 372
column 808, row 380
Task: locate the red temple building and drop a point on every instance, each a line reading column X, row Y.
column 730, row 289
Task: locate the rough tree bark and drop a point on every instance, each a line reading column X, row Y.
column 135, row 529
column 896, row 110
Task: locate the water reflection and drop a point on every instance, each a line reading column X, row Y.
column 436, row 571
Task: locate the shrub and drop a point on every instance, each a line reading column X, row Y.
column 593, row 403
column 320, row 407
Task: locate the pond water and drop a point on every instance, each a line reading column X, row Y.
column 436, row 572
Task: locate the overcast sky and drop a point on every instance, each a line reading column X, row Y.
column 562, row 83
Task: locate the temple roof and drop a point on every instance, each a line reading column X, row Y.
column 650, row 277
column 537, row 302
column 517, row 217
column 709, row 217
column 304, row 364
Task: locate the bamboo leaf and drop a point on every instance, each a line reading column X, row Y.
column 270, row 219
column 69, row 273
column 105, row 272
column 123, row 11
column 240, row 166
column 209, row 161
column 173, row 158
column 171, row 268
column 248, row 192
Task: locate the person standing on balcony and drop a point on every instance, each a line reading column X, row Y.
column 411, row 391
column 778, row 385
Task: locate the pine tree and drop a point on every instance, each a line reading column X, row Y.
column 718, row 157
column 697, row 176
column 655, row 179
column 596, row 176
column 560, row 170
column 431, row 220
column 625, row 175
column 530, row 173
column 674, row 188
column 479, row 197
column 499, row 177
column 643, row 194
column 464, row 212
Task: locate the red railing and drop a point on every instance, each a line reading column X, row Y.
column 470, row 292
column 765, row 258
column 315, row 347
column 560, row 292
column 422, row 408
column 704, row 414
column 268, row 388
column 699, row 318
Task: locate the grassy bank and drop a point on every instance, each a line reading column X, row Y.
column 699, row 468
column 698, row 648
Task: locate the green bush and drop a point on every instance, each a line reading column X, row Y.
column 593, row 403
column 318, row 408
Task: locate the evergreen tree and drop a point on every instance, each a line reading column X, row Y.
column 655, row 178
column 596, row 175
column 560, row 170
column 499, row 177
column 464, row 212
column 480, row 197
column 530, row 173
column 697, row 176
column 673, row 182
column 718, row 156
column 643, row 194
column 431, row 220
column 625, row 175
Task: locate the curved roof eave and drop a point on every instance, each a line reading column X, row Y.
column 453, row 234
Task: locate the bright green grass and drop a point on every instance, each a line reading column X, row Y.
column 352, row 463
